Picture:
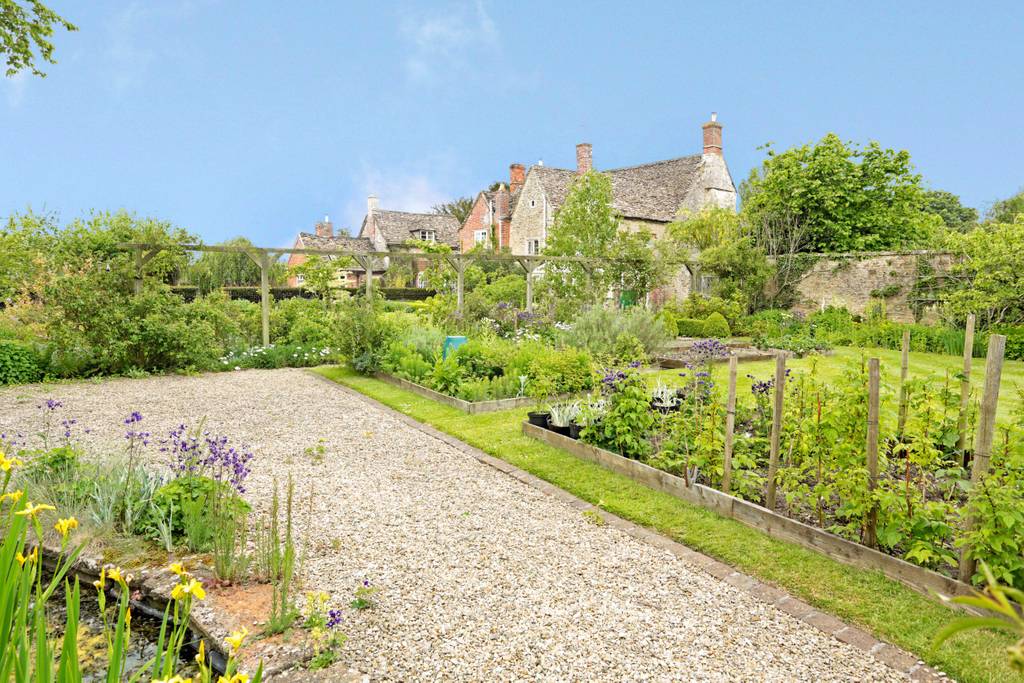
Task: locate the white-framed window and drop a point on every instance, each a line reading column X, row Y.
column 533, row 247
column 479, row 236
column 300, row 279
column 428, row 235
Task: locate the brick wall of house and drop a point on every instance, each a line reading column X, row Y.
column 477, row 220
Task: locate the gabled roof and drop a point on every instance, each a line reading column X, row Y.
column 340, row 242
column 655, row 191
column 399, row 226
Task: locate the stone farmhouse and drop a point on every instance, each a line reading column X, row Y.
column 382, row 230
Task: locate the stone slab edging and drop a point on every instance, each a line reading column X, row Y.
column 772, row 523
column 884, row 652
column 471, row 407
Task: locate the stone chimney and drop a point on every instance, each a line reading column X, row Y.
column 584, row 158
column 325, row 228
column 371, row 205
column 516, row 177
column 713, row 136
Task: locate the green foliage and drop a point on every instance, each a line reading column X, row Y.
column 599, row 329
column 716, row 327
column 628, row 420
column 213, row 270
column 741, row 270
column 845, row 198
column 988, row 277
column 301, row 321
column 700, row 307
column 711, row 227
column 25, row 29
column 690, row 327
column 319, row 275
column 19, row 364
column 458, row 209
column 1007, row 210
column 363, row 335
column 187, row 500
column 947, row 206
column 639, row 263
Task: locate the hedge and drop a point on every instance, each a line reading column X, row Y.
column 190, row 292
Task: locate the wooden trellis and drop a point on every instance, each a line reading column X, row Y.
column 264, row 257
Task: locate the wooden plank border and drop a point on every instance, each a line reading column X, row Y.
column 471, row 407
column 778, row 526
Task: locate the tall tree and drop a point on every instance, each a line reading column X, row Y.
column 988, row 277
column 25, row 29
column 585, row 225
column 214, row 270
column 458, row 209
column 846, row 198
column 1007, row 210
column 947, row 206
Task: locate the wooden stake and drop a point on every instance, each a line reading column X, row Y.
column 965, row 385
column 870, row 528
column 264, row 263
column 780, row 392
column 904, row 371
column 730, row 425
column 986, row 434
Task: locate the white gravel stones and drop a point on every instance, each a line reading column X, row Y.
column 482, row 577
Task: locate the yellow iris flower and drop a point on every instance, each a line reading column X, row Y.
column 13, row 496
column 193, row 588
column 7, row 463
column 235, row 639
column 178, row 568
column 172, row 679
column 30, row 558
column 114, row 574
column 237, row 678
column 31, row 510
column 102, row 581
column 201, row 655
column 64, row 526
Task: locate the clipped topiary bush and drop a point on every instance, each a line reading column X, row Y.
column 18, row 364
column 716, row 327
column 690, row 327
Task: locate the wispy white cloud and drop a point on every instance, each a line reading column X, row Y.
column 445, row 44
column 14, row 88
column 414, row 190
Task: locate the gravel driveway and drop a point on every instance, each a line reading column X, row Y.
column 482, row 577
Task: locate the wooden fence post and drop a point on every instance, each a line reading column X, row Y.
column 780, row 392
column 871, row 527
column 730, row 426
column 965, row 385
column 528, row 265
column 986, row 435
column 460, row 281
column 264, row 264
column 904, row 372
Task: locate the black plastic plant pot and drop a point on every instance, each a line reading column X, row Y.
column 539, row 418
column 564, row 431
column 574, row 431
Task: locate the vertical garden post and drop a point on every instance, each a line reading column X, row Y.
column 264, row 264
column 904, row 372
column 986, row 434
column 456, row 262
column 730, row 425
column 871, row 526
column 528, row 265
column 965, row 385
column 780, row 392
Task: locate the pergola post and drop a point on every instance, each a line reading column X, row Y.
column 529, row 265
column 142, row 257
column 264, row 263
column 459, row 264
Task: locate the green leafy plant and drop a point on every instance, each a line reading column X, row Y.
column 19, row 364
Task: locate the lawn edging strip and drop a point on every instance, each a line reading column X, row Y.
column 880, row 650
column 471, row 407
column 778, row 526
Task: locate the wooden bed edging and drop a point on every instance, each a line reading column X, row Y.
column 775, row 525
column 471, row 407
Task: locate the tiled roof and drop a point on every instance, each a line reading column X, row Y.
column 654, row 191
column 399, row 226
column 340, row 242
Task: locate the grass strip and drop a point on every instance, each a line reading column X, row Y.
column 868, row 599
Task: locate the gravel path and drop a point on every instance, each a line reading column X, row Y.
column 482, row 577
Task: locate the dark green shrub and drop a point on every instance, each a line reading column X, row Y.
column 716, row 327
column 364, row 334
column 483, row 358
column 1014, row 340
column 628, row 349
column 447, row 376
column 19, row 364
column 689, row 327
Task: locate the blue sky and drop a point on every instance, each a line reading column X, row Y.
column 257, row 118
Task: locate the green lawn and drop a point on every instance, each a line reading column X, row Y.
column 868, row 599
column 921, row 365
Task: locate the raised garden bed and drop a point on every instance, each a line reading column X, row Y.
column 471, row 407
column 758, row 517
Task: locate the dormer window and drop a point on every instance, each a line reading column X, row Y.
column 428, row 235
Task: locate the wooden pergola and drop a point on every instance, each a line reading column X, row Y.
column 264, row 257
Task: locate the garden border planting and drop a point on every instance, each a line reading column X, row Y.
column 778, row 526
column 471, row 407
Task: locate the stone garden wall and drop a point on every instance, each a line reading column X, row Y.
column 857, row 280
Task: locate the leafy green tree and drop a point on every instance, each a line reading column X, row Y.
column 741, row 271
column 585, row 225
column 705, row 229
column 458, row 209
column 25, row 29
column 1007, row 210
column 947, row 206
column 638, row 263
column 318, row 275
column 213, row 270
column 846, row 198
column 988, row 278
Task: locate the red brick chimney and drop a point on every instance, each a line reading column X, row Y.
column 516, row 177
column 713, row 136
column 584, row 158
column 325, row 228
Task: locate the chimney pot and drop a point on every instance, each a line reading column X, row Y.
column 713, row 135
column 325, row 228
column 371, row 204
column 516, row 177
column 584, row 158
